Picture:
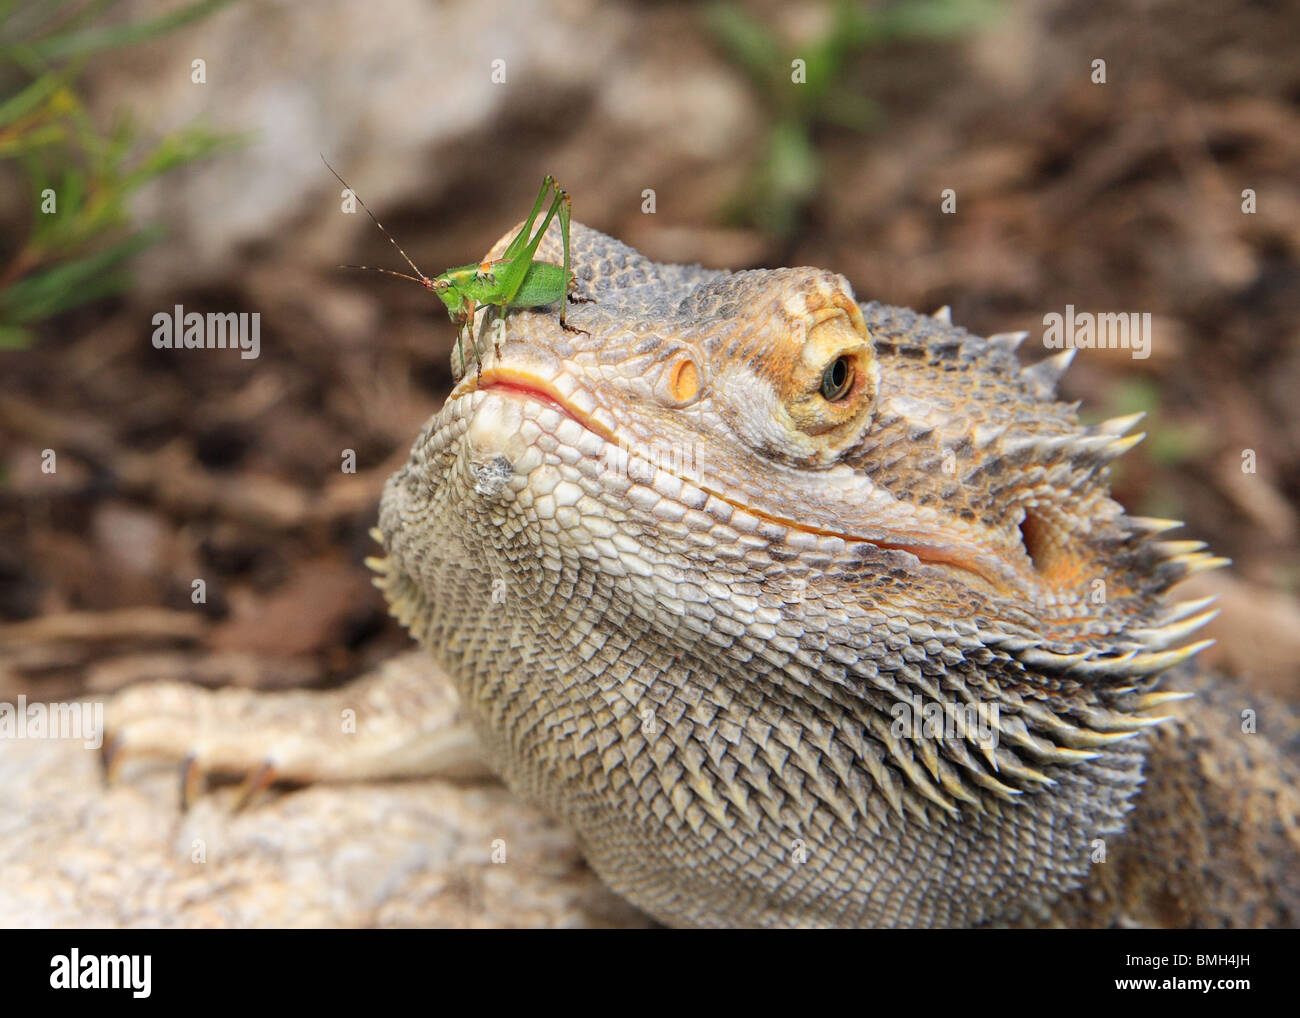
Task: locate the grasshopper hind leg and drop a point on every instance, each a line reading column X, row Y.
column 464, row 328
column 498, row 329
column 571, row 280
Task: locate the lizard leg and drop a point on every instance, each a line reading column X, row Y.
column 399, row 721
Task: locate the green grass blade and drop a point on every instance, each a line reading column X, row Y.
column 14, row 337
column 747, row 40
column 92, row 40
column 31, row 97
column 71, row 284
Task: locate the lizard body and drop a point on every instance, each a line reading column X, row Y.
column 683, row 571
column 702, row 574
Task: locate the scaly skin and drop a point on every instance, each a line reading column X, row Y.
column 680, row 592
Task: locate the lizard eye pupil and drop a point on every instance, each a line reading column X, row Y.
column 837, row 379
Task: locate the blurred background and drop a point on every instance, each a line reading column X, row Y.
column 182, row 143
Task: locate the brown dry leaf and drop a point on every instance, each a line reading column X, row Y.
column 306, row 615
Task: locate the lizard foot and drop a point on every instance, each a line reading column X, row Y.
column 400, row 721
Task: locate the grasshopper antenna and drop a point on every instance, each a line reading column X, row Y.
column 419, row 276
column 389, row 272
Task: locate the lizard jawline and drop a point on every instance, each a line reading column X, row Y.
column 971, row 560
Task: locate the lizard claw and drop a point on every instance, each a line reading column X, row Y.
column 110, row 758
column 259, row 780
column 294, row 737
column 192, row 780
column 191, row 728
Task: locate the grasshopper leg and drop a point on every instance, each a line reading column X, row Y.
column 497, row 329
column 511, row 278
column 466, row 326
column 571, row 281
column 460, row 348
column 522, row 238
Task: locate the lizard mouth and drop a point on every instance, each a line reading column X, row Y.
column 533, row 387
column 970, row 559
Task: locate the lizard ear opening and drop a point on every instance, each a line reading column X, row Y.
column 1056, row 558
column 684, row 381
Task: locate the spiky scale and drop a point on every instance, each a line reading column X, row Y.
column 1162, row 660
column 1197, row 562
column 1161, row 697
column 1121, row 425
column 1046, row 659
column 1008, row 341
column 1164, row 636
column 1174, row 549
column 1043, row 376
column 1152, row 524
column 1182, row 609
column 1120, row 446
column 1104, row 666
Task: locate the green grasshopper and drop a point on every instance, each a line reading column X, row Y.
column 512, row 281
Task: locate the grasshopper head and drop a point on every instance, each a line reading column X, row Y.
column 458, row 307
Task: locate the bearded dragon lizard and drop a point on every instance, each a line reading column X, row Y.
column 806, row 612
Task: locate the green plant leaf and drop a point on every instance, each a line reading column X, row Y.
column 749, row 43
column 93, row 40
column 14, row 337
column 933, row 19
column 79, row 252
column 70, row 284
column 33, row 96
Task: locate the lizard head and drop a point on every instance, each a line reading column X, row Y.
column 750, row 490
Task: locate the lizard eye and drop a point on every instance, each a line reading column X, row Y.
column 829, row 384
column 837, row 379
column 798, row 380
